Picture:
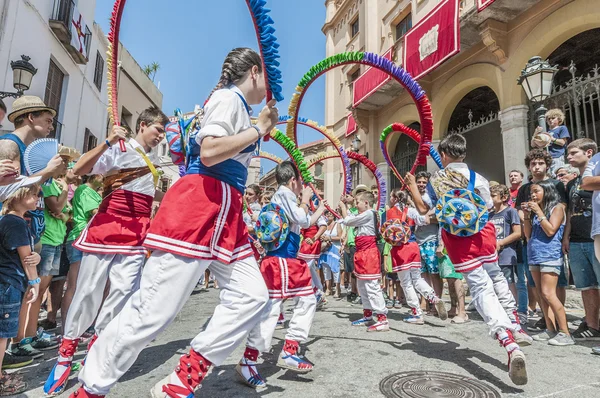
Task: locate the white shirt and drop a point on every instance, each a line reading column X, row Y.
column 255, row 207
column 113, row 160
column 288, row 201
column 593, row 170
column 364, row 223
column 226, row 115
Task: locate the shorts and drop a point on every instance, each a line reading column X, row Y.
column 392, row 276
column 64, row 265
column 10, row 306
column 50, row 262
column 74, row 255
column 545, row 268
column 585, row 267
column 349, row 258
column 509, row 272
column 429, row 260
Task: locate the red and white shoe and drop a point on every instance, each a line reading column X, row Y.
column 366, row 320
column 382, row 324
column 59, row 375
column 185, row 379
column 517, row 369
column 290, row 358
column 81, row 393
column 248, row 371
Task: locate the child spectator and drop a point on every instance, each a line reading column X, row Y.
column 330, row 256
column 559, row 137
column 367, row 262
column 544, row 227
column 18, row 273
column 508, row 233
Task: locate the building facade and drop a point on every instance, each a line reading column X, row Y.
column 474, row 92
column 69, row 51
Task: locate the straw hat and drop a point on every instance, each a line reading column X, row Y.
column 360, row 188
column 27, row 104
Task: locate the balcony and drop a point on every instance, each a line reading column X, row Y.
column 68, row 25
column 474, row 27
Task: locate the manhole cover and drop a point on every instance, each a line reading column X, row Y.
column 434, row 384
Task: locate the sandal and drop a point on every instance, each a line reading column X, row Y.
column 459, row 320
column 11, row 384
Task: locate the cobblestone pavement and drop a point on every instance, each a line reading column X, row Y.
column 349, row 362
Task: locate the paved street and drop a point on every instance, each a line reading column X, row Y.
column 351, row 363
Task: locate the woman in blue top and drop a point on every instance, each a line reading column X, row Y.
column 544, row 227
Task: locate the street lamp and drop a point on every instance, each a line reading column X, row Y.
column 23, row 73
column 536, row 79
column 356, row 143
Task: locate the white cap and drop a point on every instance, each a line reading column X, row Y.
column 21, row 182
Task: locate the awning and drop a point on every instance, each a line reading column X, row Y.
column 483, row 4
column 351, row 126
column 369, row 82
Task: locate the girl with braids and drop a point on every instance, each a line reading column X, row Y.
column 406, row 259
column 198, row 226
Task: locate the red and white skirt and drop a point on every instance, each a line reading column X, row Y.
column 201, row 217
column 367, row 259
column 470, row 252
column 120, row 226
column 286, row 277
column 310, row 252
column 405, row 257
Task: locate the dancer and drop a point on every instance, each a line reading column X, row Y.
column 476, row 247
column 406, row 260
column 367, row 262
column 286, row 276
column 112, row 241
column 210, row 233
column 310, row 251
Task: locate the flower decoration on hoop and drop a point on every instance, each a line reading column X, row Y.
column 268, row 156
column 411, row 133
column 380, row 63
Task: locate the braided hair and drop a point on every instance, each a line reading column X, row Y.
column 237, row 63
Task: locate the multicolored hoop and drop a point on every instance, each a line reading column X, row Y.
column 377, row 62
column 268, row 156
column 379, row 177
column 411, row 133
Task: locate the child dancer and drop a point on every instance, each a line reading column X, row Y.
column 310, row 251
column 470, row 254
column 112, row 241
column 209, row 233
column 367, row 262
column 287, row 277
column 544, row 227
column 406, row 260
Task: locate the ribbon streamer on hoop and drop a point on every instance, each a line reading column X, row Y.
column 382, row 64
column 298, row 159
column 411, row 133
column 379, row 177
column 112, row 63
column 334, row 141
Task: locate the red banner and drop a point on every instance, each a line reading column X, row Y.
column 433, row 40
column 483, row 4
column 350, row 125
column 369, row 82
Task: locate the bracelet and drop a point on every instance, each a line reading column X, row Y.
column 34, row 282
column 257, row 131
column 542, row 219
column 107, row 143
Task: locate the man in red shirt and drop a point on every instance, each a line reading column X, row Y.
column 515, row 178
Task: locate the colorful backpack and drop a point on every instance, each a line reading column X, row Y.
column 272, row 227
column 397, row 232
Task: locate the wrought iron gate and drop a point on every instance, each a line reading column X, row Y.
column 404, row 157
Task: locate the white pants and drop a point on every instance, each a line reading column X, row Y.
column 371, row 295
column 412, row 282
column 123, row 272
column 166, row 283
column 304, row 312
column 486, row 301
column 505, row 296
column 314, row 273
column 329, row 274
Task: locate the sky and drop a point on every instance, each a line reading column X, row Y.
column 190, row 39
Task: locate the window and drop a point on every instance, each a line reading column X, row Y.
column 403, row 26
column 53, row 96
column 355, row 171
column 99, row 71
column 354, row 28
column 319, row 170
column 89, row 141
column 352, row 78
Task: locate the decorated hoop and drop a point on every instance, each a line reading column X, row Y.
column 268, row 156
column 382, row 64
column 267, row 43
column 379, row 178
column 411, row 133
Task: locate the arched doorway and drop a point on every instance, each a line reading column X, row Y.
column 577, row 85
column 476, row 118
column 404, row 155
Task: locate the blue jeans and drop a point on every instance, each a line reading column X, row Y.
column 522, row 295
column 584, row 265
